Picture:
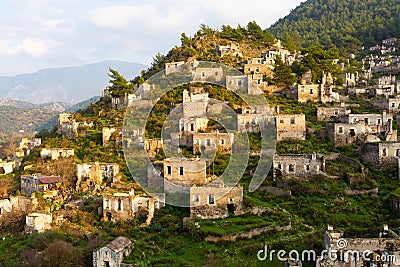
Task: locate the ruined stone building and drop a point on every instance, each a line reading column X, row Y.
column 194, row 117
column 113, row 253
column 153, row 146
column 38, row 222
column 298, row 166
column 381, row 251
column 38, row 183
column 215, row 200
column 313, row 92
column 332, row 113
column 91, row 176
column 381, row 154
column 391, row 105
column 291, row 126
column 220, row 142
column 362, row 128
column 231, row 49
column 383, row 90
column 7, row 167
column 237, row 83
column 111, row 136
column 126, row 206
column 69, row 127
column 252, row 118
column 56, row 153
column 185, row 171
column 349, row 79
column 386, row 80
column 174, row 67
column 208, row 75
column 26, row 145
column 16, row 203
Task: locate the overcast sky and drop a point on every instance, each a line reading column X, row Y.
column 37, row 34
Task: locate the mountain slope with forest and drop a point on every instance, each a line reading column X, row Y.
column 347, row 24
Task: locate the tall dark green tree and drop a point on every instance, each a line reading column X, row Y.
column 119, row 85
column 283, row 75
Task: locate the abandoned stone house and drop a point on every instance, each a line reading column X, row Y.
column 215, row 200
column 111, row 136
column 256, row 66
column 237, row 83
column 362, row 128
column 26, row 145
column 332, row 113
column 38, row 183
column 56, row 153
column 253, row 122
column 208, row 75
column 357, row 91
column 189, row 126
column 252, row 118
column 208, row 142
column 381, row 155
column 194, row 105
column 386, row 80
column 7, row 167
column 377, row 122
column 298, row 166
column 382, row 251
column 113, row 253
column 349, row 79
column 174, row 67
column 66, row 125
column 126, row 206
column 16, row 203
column 185, row 171
column 38, row 222
column 231, row 49
column 91, row 176
column 291, row 126
column 391, row 105
column 383, row 90
column 313, row 92
column 153, row 146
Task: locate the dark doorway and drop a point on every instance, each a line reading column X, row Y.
column 231, row 209
column 108, row 214
column 106, row 263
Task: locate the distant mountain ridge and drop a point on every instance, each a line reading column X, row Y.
column 53, row 106
column 24, row 116
column 67, row 84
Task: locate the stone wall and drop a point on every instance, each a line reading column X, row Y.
column 185, row 172
column 291, row 126
column 209, row 202
column 298, row 166
column 331, row 113
column 208, row 142
column 381, row 155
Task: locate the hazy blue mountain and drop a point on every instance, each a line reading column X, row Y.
column 66, row 84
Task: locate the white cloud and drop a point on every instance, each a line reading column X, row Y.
column 34, row 47
column 50, row 33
